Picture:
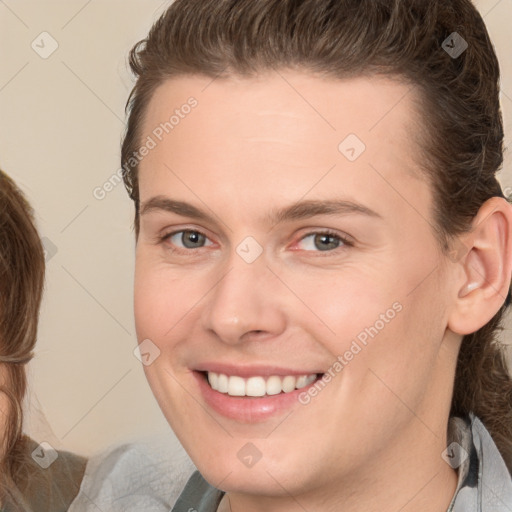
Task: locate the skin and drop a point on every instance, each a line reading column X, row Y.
column 253, row 145
column 4, row 414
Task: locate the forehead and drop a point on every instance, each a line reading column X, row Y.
column 284, row 133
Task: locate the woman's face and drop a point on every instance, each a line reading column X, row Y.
column 237, row 283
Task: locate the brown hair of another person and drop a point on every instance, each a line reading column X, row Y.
column 22, row 274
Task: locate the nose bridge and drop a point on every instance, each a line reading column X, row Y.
column 243, row 299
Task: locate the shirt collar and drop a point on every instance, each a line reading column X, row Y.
column 484, row 481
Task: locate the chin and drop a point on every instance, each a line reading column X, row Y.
column 258, row 480
column 249, row 466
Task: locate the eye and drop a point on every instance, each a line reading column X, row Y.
column 324, row 241
column 185, row 240
column 189, row 239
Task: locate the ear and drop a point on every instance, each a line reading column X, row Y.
column 485, row 267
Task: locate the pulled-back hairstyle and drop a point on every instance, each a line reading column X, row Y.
column 461, row 124
column 22, row 272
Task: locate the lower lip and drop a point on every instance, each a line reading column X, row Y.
column 248, row 409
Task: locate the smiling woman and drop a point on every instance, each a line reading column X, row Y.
column 340, row 164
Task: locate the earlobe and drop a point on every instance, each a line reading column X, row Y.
column 486, row 268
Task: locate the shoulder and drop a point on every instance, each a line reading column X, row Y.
column 134, row 476
column 49, row 479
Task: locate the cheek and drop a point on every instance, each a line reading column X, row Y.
column 401, row 358
column 378, row 318
column 345, row 304
column 159, row 301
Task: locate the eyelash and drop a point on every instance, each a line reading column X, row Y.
column 346, row 243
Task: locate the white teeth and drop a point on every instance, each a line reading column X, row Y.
column 258, row 386
column 289, row 383
column 255, row 386
column 213, row 379
column 274, row 385
column 223, row 385
column 304, row 381
column 236, row 386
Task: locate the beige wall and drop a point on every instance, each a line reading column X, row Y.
column 61, row 123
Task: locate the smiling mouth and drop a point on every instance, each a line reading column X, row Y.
column 256, row 386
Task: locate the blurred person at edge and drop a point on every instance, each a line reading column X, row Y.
column 25, row 485
column 328, row 169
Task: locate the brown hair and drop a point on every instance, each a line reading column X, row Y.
column 461, row 139
column 22, row 272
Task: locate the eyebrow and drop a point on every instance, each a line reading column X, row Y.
column 296, row 211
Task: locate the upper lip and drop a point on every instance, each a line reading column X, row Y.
column 247, row 371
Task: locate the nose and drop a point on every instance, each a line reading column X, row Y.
column 245, row 303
